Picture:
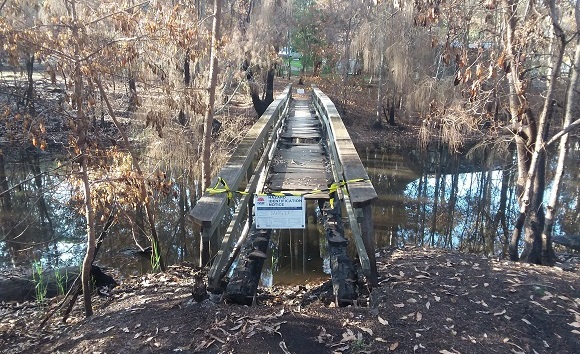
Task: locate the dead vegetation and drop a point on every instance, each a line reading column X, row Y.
column 429, row 301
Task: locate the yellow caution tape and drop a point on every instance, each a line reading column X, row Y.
column 225, row 189
column 332, row 189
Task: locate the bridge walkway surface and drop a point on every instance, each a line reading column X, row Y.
column 300, row 163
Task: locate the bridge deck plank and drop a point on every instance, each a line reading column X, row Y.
column 300, row 166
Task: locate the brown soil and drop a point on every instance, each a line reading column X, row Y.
column 429, row 301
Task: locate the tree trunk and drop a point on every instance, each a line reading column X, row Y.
column 548, row 256
column 208, row 120
column 132, row 92
column 346, row 65
column 531, row 169
column 30, row 89
column 81, row 129
column 260, row 105
column 186, row 69
column 378, row 122
column 6, row 201
column 156, row 258
column 91, row 237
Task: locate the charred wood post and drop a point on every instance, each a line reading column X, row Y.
column 243, row 284
column 344, row 278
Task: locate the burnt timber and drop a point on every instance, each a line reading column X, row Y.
column 298, row 147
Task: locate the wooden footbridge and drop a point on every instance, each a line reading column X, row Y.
column 297, row 151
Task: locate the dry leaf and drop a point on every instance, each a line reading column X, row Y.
column 348, row 336
column 367, row 330
column 383, row 322
column 526, row 321
column 379, row 339
column 499, row 313
column 399, row 305
column 235, row 328
column 546, row 345
column 574, row 324
column 282, row 345
column 393, row 346
column 419, row 316
column 428, row 305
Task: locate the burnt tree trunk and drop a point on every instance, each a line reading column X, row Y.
column 132, row 92
column 186, row 69
column 261, row 104
column 391, row 111
column 29, row 97
column 6, row 198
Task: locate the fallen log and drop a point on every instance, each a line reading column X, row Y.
column 572, row 242
column 48, row 284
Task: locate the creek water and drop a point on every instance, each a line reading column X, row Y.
column 425, row 197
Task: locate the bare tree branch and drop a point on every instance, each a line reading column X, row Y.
column 564, row 131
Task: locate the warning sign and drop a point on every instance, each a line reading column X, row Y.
column 280, row 212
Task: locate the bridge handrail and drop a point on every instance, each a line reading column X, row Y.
column 351, row 166
column 210, row 208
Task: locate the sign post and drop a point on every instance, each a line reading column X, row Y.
column 280, row 212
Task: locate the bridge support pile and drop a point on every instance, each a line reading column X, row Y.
column 344, row 279
column 244, row 282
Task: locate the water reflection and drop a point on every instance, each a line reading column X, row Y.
column 466, row 202
column 298, row 256
column 431, row 197
column 41, row 218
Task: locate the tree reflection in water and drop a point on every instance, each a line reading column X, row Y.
column 426, row 198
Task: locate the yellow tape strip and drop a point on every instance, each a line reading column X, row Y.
column 332, row 188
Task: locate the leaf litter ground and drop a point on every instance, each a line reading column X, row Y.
column 429, row 301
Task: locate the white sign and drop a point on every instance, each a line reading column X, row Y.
column 280, row 212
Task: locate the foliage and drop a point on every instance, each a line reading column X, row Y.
column 305, row 37
column 40, row 285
